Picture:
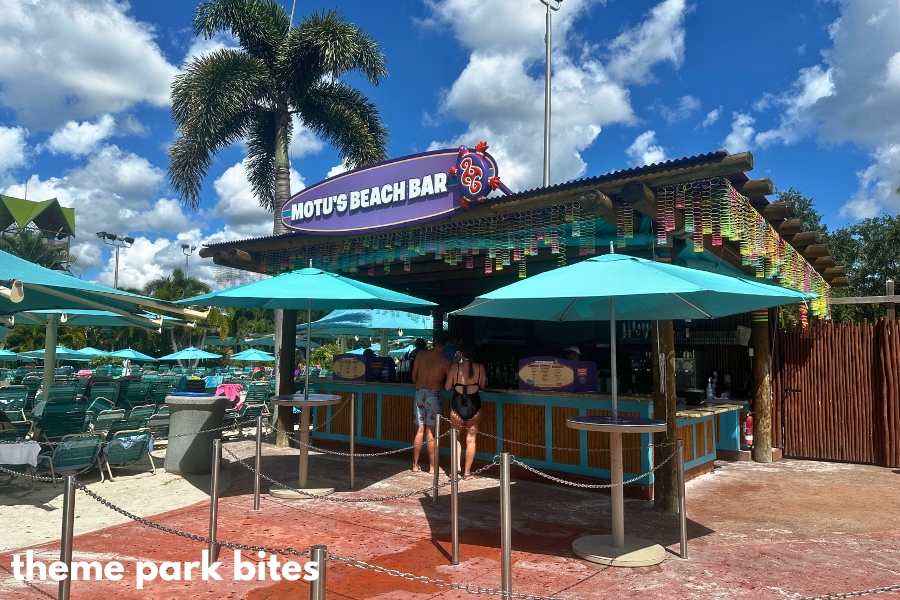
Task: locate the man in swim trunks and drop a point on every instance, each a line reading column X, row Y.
column 429, row 372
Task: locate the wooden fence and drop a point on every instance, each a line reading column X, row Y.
column 836, row 392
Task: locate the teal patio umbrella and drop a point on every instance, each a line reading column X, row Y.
column 310, row 289
column 253, row 355
column 6, row 355
column 189, row 353
column 92, row 352
column 132, row 355
column 62, row 353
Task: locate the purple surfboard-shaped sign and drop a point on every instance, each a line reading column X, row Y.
column 391, row 194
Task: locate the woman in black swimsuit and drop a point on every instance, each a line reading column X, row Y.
column 466, row 378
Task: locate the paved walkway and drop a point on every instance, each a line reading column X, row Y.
column 786, row 530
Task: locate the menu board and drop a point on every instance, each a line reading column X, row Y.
column 349, row 367
column 551, row 374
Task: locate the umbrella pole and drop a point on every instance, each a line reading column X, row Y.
column 612, row 357
column 50, row 338
column 308, row 330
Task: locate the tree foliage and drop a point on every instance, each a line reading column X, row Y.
column 34, row 247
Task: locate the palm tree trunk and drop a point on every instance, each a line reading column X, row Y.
column 282, row 170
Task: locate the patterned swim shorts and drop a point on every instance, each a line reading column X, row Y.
column 427, row 407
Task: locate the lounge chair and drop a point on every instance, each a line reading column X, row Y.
column 158, row 425
column 62, row 393
column 126, row 448
column 75, row 454
column 105, row 389
column 24, row 429
column 106, row 419
column 13, row 400
column 60, row 420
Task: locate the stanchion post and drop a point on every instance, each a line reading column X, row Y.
column 436, row 470
column 505, row 525
column 454, row 497
column 352, row 439
column 319, row 555
column 214, row 500
column 257, row 464
column 682, row 504
column 65, row 539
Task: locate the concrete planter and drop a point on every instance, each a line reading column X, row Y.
column 192, row 454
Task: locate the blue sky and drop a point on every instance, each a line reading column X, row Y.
column 812, row 88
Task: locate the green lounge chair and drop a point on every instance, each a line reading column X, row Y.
column 158, row 425
column 13, row 400
column 106, row 419
column 60, row 420
column 62, row 393
column 24, row 429
column 75, row 454
column 126, row 448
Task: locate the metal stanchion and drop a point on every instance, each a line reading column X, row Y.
column 437, row 455
column 214, row 500
column 682, row 506
column 454, row 497
column 68, row 529
column 258, row 458
column 505, row 525
column 352, row 439
column 319, row 555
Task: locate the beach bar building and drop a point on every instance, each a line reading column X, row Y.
column 442, row 226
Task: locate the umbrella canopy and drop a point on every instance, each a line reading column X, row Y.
column 295, row 290
column 642, row 289
column 253, row 355
column 131, row 354
column 62, row 353
column 355, row 322
column 8, row 355
column 402, row 351
column 190, row 353
column 93, row 352
column 90, row 318
column 269, row 342
column 376, row 348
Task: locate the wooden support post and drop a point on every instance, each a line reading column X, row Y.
column 665, row 486
column 284, row 360
column 762, row 388
column 889, row 291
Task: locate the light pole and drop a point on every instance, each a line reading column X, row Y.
column 187, row 250
column 548, row 42
column 111, row 239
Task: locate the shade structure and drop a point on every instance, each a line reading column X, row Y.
column 92, row 318
column 402, row 351
column 132, row 355
column 190, row 353
column 355, row 322
column 62, row 353
column 8, row 355
column 376, row 348
column 310, row 289
column 269, row 342
column 253, row 355
column 92, row 352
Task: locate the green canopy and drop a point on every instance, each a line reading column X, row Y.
column 131, row 354
column 253, row 355
column 47, row 215
column 190, row 353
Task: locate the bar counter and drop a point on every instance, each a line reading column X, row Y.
column 537, row 420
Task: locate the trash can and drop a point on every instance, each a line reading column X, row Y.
column 190, row 452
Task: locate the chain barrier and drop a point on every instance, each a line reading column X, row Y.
column 29, row 476
column 365, row 455
column 559, row 448
column 879, row 590
column 467, row 587
column 155, row 437
column 189, row 536
column 598, row 486
column 352, row 500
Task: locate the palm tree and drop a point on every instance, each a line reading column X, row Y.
column 33, row 247
column 175, row 287
column 252, row 94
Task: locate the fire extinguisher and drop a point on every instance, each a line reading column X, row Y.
column 748, row 430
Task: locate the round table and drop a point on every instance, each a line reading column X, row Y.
column 305, row 403
column 617, row 549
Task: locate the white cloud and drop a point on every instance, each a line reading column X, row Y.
column 244, row 218
column 645, row 150
column 812, row 85
column 337, row 170
column 660, row 38
column 12, row 148
column 62, row 60
column 686, row 107
column 79, row 139
column 741, row 137
column 303, row 141
column 877, row 185
column 711, row 117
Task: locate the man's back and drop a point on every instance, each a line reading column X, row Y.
column 430, row 369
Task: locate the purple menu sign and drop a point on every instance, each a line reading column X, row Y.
column 395, row 193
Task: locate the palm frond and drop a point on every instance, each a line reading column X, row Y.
column 259, row 25
column 189, row 162
column 346, row 119
column 261, row 137
column 326, row 44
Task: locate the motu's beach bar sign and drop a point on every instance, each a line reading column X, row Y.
column 395, row 193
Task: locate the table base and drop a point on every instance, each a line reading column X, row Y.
column 635, row 553
column 296, row 493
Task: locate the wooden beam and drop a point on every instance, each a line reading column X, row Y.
column 822, row 263
column 815, row 251
column 789, row 226
column 640, row 197
column 778, row 210
column 805, row 238
column 833, row 272
column 839, row 282
column 756, row 187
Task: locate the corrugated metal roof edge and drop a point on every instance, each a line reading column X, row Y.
column 575, row 183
